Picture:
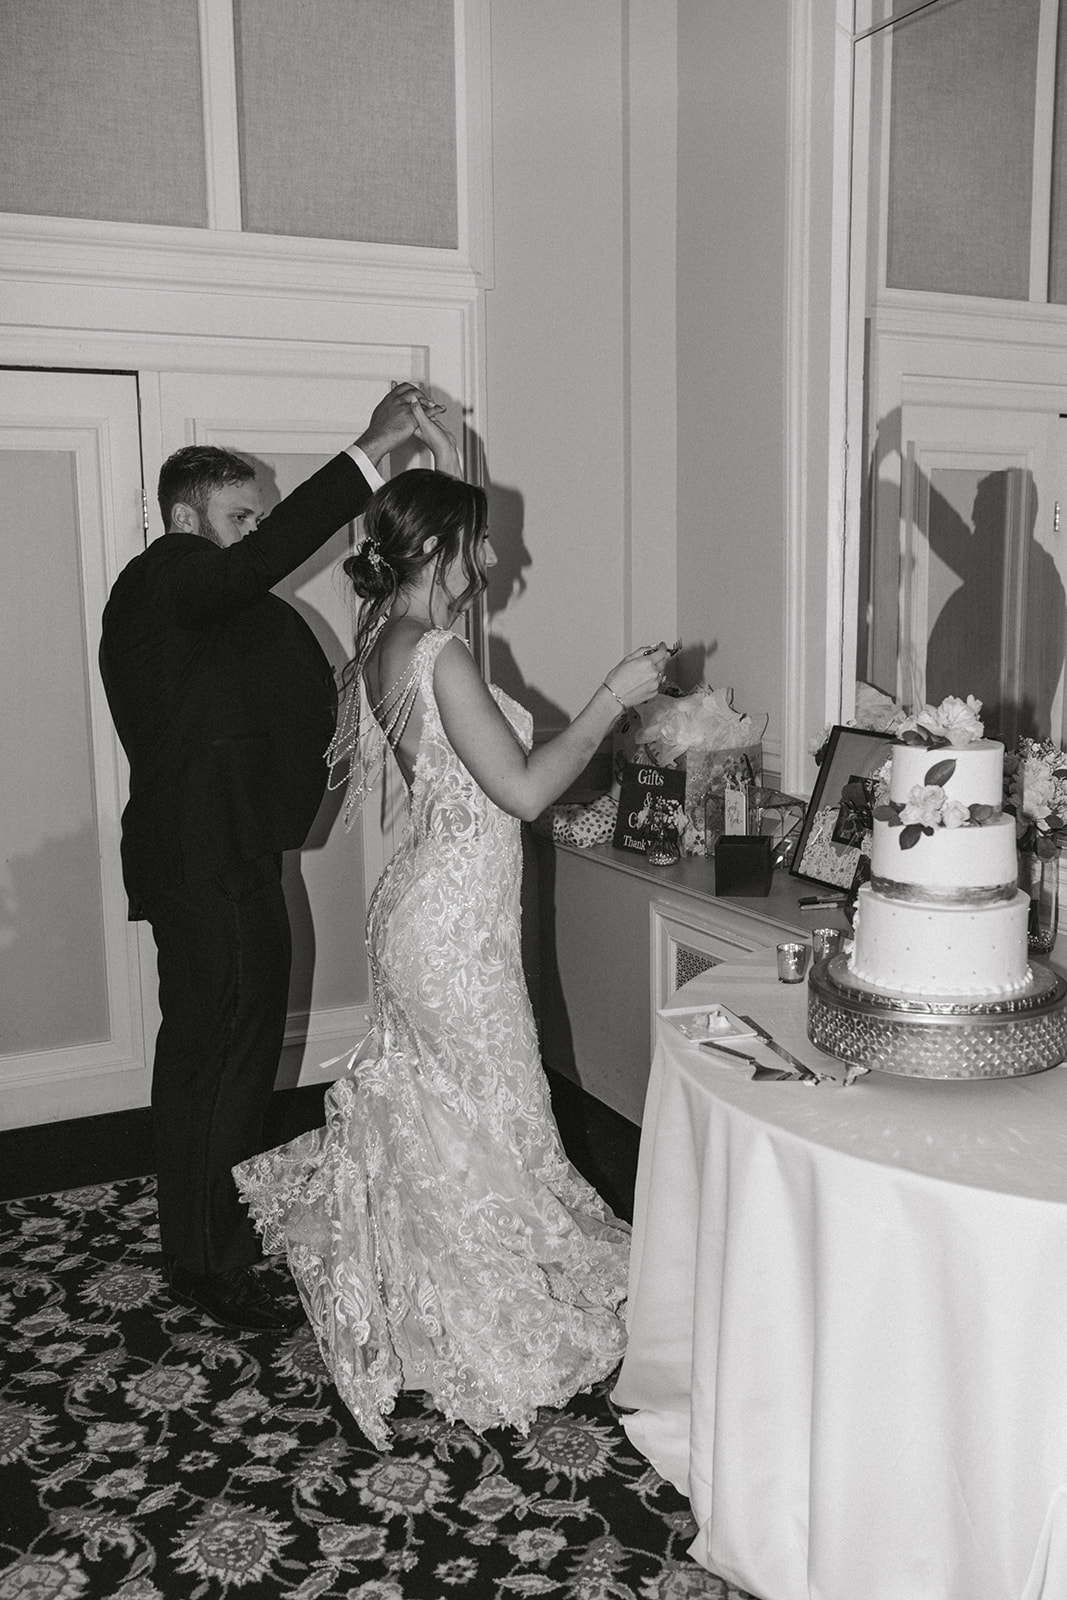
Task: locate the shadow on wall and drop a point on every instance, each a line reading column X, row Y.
column 690, row 668
column 998, row 560
column 53, row 977
column 1001, row 633
column 507, row 581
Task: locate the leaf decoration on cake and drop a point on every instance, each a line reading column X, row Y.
column 912, row 833
column 940, row 773
column 889, row 813
column 980, row 814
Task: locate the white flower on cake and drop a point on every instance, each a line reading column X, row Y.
column 955, row 815
column 954, row 722
column 924, row 805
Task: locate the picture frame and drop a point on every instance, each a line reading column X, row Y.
column 827, row 850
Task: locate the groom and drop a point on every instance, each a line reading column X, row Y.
column 225, row 705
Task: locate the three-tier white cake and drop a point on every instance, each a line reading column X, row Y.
column 938, row 983
column 943, row 913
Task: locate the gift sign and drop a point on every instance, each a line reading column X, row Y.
column 651, row 802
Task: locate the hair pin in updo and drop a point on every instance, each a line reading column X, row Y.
column 374, row 555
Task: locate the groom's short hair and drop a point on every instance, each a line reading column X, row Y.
column 192, row 473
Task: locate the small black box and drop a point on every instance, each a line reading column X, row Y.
column 743, row 864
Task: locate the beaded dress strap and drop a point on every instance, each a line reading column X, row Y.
column 366, row 731
column 430, row 645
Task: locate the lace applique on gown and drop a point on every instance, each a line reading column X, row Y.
column 438, row 1235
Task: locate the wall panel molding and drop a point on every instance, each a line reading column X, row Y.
column 218, row 73
column 58, row 250
column 816, row 418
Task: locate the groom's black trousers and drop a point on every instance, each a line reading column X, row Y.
column 224, row 954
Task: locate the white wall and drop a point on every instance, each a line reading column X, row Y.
column 661, row 352
column 580, row 342
column 763, row 93
column 733, row 171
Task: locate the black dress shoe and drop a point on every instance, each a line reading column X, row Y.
column 233, row 1299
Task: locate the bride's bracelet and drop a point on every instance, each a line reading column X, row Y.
column 606, row 685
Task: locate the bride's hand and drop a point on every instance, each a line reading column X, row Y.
column 639, row 675
column 442, row 445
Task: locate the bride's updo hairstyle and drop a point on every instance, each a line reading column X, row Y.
column 411, row 509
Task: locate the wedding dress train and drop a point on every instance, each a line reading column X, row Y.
column 438, row 1235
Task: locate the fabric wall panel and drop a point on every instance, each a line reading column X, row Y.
column 961, row 149
column 347, row 119
column 100, row 111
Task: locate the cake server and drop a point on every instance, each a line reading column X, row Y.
column 807, row 1073
column 760, row 1073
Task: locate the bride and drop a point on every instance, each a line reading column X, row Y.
column 439, row 1237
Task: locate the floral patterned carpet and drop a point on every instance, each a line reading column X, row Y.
column 145, row 1454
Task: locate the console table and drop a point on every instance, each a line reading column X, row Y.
column 616, row 938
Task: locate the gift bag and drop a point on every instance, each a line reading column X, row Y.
column 702, row 734
column 708, row 774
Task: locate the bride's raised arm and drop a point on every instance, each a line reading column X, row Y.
column 443, row 447
column 522, row 783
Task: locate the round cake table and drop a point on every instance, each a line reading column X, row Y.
column 848, row 1318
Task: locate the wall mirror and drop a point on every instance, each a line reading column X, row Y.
column 957, row 404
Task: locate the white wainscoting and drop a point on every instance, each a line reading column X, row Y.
column 71, row 1014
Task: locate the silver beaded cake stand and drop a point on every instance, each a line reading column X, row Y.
column 945, row 1038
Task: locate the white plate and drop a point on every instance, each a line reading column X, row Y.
column 712, row 1024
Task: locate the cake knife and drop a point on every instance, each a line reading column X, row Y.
column 760, row 1073
column 807, row 1073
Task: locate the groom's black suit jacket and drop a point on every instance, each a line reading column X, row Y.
column 222, row 698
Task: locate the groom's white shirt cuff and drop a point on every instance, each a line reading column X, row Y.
column 366, row 466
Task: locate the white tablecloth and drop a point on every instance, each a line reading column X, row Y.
column 848, row 1319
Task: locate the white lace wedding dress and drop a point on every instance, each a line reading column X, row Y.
column 439, row 1237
